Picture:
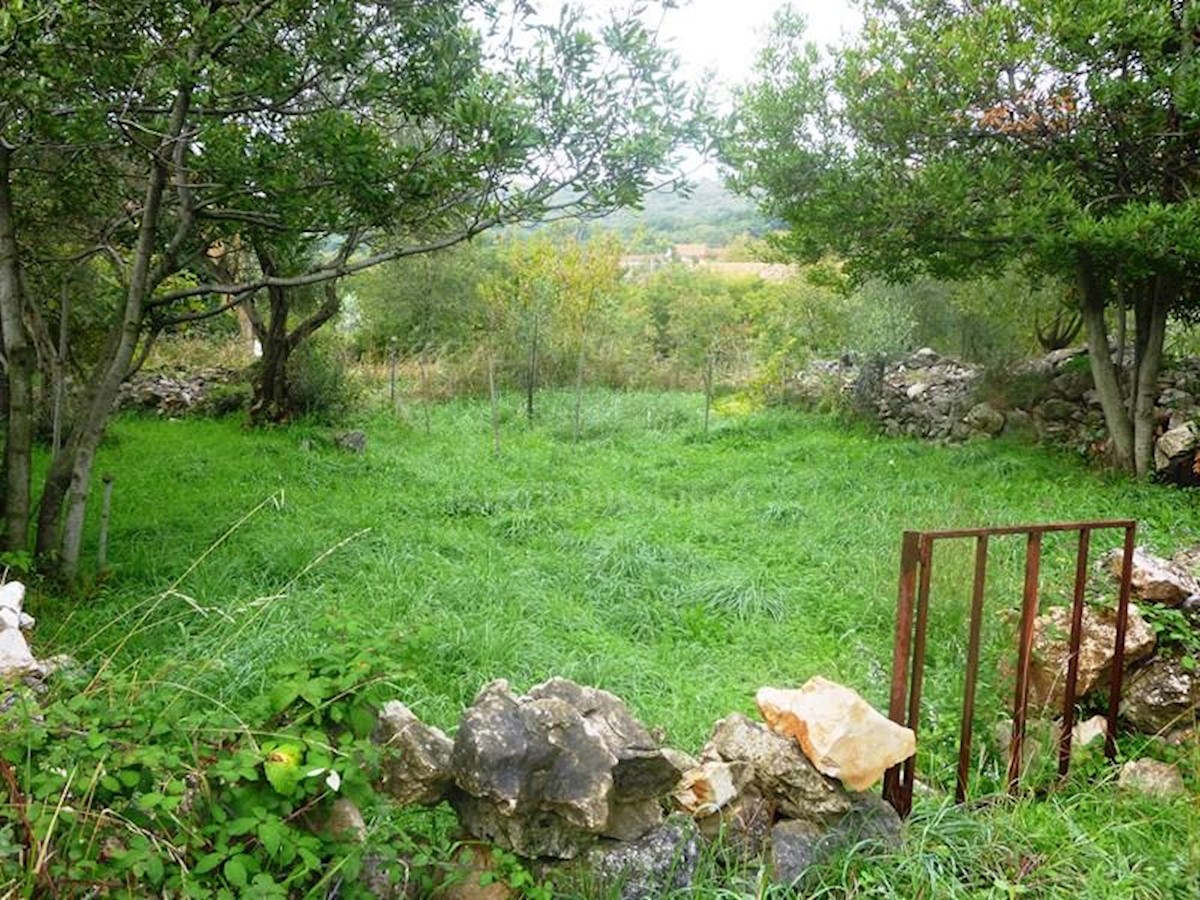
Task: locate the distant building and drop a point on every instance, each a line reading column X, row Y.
column 691, row 254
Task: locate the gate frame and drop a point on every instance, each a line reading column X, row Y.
column 916, row 565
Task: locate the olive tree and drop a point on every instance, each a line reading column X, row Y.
column 304, row 141
column 951, row 138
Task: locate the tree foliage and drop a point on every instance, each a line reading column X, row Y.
column 209, row 153
column 950, row 138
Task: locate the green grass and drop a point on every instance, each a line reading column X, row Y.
column 678, row 570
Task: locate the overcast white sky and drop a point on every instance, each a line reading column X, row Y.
column 725, row 35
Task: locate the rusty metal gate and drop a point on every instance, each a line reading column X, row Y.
column 912, row 617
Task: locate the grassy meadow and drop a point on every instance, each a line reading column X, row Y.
column 679, row 570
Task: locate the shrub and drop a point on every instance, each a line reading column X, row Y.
column 319, row 387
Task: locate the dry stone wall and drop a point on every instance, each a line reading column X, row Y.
column 1052, row 399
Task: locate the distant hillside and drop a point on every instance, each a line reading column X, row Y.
column 708, row 214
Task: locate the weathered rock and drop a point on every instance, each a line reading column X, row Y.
column 629, row 821
column 779, row 769
column 742, row 826
column 796, row 846
column 546, row 773
column 16, row 659
column 1153, row 579
column 1051, row 639
column 660, row 862
column 351, row 441
column 1055, row 410
column 1183, row 439
column 1161, row 696
column 706, row 789
column 1149, row 776
column 643, row 771
column 842, row 735
column 985, row 418
column 346, row 822
column 416, row 765
column 1019, row 423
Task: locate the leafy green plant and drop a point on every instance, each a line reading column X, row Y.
column 131, row 782
column 1174, row 633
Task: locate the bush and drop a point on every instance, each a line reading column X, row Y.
column 226, row 399
column 319, row 387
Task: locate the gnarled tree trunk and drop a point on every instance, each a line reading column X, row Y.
column 1129, row 418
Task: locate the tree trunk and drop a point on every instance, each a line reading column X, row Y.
column 271, row 400
column 19, row 357
column 1157, row 302
column 1104, row 373
column 70, row 473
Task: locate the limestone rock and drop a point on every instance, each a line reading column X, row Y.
column 346, row 822
column 842, row 734
column 1149, row 776
column 663, row 861
column 16, row 659
column 1087, row 731
column 1051, row 640
column 985, row 418
column 416, row 766
column 643, row 771
column 778, row 768
column 1179, row 440
column 742, row 827
column 1153, row 578
column 1161, row 696
column 547, row 773
column 706, row 789
column 795, row 845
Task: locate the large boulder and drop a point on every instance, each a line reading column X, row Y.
column 1153, row 579
column 547, row 773
column 778, row 768
column 416, row 757
column 1161, row 697
column 842, row 735
column 1051, row 651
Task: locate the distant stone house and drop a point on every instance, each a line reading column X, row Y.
column 691, row 254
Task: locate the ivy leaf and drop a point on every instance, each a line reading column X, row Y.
column 282, row 768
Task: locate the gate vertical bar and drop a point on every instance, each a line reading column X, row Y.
column 909, row 559
column 1114, row 691
column 925, row 554
column 1081, row 562
column 1029, row 603
column 968, row 714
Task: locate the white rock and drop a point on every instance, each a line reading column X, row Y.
column 706, row 789
column 16, row 659
column 842, row 735
column 1176, row 442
